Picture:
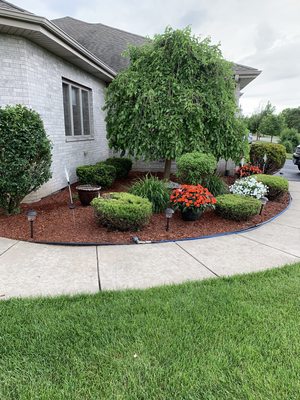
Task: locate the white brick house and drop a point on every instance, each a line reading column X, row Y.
column 61, row 70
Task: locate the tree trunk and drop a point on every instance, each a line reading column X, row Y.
column 167, row 171
column 271, row 138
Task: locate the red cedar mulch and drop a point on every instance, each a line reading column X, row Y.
column 57, row 223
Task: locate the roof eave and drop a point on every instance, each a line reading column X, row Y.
column 37, row 28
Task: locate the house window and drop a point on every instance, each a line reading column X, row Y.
column 77, row 110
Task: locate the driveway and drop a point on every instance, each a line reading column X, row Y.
column 290, row 171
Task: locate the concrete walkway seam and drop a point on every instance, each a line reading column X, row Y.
column 5, row 251
column 271, row 247
column 196, row 259
column 98, row 269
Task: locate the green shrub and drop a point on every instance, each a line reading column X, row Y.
column 289, row 148
column 215, row 185
column 153, row 189
column 25, row 155
column 289, row 138
column 123, row 165
column 192, row 168
column 237, row 207
column 276, row 156
column 277, row 185
column 99, row 174
column 122, row 211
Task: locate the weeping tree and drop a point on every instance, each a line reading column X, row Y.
column 176, row 96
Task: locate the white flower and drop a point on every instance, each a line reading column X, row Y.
column 249, row 187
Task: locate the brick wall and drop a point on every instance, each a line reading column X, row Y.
column 32, row 76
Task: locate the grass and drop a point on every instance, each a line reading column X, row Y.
column 289, row 156
column 233, row 338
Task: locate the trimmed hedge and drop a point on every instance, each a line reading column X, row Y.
column 25, row 155
column 122, row 211
column 100, row 174
column 276, row 156
column 277, row 185
column 153, row 189
column 192, row 168
column 122, row 165
column 237, row 207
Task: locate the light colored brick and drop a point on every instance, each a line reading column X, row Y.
column 32, row 76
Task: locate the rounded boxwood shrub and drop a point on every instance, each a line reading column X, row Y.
column 122, row 211
column 123, row 165
column 25, row 155
column 192, row 168
column 100, row 174
column 277, row 185
column 153, row 189
column 276, row 156
column 237, row 207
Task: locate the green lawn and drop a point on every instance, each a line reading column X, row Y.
column 235, row 338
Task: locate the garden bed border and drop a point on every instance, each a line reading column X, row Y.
column 251, row 228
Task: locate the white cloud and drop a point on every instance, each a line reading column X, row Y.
column 263, row 34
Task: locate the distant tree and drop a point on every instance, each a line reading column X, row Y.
column 254, row 121
column 292, row 117
column 271, row 125
column 176, row 96
column 290, row 138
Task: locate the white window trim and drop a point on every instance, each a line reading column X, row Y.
column 82, row 137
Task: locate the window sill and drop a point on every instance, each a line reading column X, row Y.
column 79, row 138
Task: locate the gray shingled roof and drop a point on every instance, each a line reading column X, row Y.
column 11, row 7
column 109, row 43
column 105, row 42
column 245, row 70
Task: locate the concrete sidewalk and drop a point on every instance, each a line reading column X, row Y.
column 28, row 269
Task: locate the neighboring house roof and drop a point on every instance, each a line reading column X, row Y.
column 105, row 42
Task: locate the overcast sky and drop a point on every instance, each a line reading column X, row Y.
column 264, row 34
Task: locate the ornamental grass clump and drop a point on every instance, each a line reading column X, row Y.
column 122, row 211
column 153, row 189
column 192, row 197
column 249, row 187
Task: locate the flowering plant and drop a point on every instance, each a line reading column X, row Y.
column 249, row 187
column 247, row 170
column 194, row 197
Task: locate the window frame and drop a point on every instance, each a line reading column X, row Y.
column 71, row 138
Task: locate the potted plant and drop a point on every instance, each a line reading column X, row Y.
column 87, row 193
column 192, row 200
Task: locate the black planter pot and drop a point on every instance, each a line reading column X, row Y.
column 87, row 193
column 191, row 215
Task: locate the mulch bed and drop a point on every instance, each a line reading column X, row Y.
column 57, row 223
